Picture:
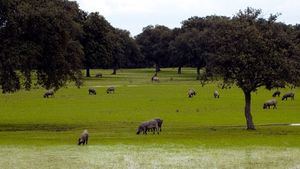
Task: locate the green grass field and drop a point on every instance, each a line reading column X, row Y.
column 201, row 132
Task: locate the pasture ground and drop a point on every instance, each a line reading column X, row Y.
column 201, row 132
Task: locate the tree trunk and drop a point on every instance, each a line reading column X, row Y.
column 157, row 68
column 28, row 81
column 198, row 73
column 198, row 70
column 250, row 124
column 88, row 72
column 179, row 70
column 114, row 71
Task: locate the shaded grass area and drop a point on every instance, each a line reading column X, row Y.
column 36, row 127
column 188, row 136
column 112, row 119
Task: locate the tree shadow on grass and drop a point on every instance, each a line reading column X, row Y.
column 36, row 127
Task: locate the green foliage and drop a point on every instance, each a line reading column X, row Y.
column 107, row 47
column 154, row 44
column 190, row 48
column 97, row 45
column 124, row 50
column 254, row 52
column 41, row 36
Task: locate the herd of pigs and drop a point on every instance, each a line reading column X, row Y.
column 273, row 102
column 156, row 124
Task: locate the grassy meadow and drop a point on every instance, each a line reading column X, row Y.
column 199, row 132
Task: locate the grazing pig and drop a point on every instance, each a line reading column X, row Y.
column 146, row 126
column 110, row 90
column 49, row 93
column 216, row 94
column 270, row 103
column 83, row 139
column 142, row 128
column 277, row 93
column 92, row 91
column 159, row 122
column 287, row 95
column 153, row 126
column 191, row 93
column 155, row 79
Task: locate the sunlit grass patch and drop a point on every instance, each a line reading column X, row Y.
column 148, row 156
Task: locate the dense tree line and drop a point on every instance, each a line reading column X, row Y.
column 55, row 40
column 39, row 36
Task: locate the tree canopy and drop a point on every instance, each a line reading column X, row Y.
column 39, row 36
column 95, row 41
column 154, row 44
column 253, row 52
